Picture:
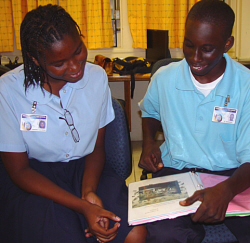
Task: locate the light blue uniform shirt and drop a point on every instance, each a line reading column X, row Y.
column 192, row 139
column 88, row 101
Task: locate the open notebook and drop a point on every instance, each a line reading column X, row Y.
column 158, row 198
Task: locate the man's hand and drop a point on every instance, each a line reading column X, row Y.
column 151, row 158
column 214, row 203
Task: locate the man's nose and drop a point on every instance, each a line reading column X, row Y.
column 197, row 57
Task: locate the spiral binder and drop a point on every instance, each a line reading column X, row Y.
column 196, row 180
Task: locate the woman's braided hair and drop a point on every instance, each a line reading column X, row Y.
column 40, row 28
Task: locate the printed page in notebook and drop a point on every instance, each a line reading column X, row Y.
column 158, row 198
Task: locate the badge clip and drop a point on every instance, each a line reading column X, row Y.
column 227, row 100
column 33, row 109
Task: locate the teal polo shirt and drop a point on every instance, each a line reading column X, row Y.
column 192, row 139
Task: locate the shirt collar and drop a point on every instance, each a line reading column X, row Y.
column 224, row 87
column 42, row 96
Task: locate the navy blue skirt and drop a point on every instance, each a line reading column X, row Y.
column 28, row 218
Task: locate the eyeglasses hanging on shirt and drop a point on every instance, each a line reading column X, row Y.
column 70, row 122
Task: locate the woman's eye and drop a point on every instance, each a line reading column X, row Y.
column 58, row 64
column 78, row 51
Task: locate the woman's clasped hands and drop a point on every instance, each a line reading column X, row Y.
column 98, row 220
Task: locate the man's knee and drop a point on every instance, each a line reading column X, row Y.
column 181, row 230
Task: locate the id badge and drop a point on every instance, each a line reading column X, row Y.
column 33, row 123
column 224, row 115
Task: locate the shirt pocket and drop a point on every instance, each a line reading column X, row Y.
column 226, row 151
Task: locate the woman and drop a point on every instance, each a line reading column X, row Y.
column 56, row 186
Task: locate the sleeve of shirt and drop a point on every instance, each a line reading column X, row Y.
column 243, row 131
column 150, row 105
column 11, row 137
column 107, row 114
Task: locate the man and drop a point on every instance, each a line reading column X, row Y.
column 184, row 98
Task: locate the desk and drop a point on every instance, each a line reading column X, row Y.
column 126, row 79
column 245, row 63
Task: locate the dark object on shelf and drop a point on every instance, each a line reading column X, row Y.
column 105, row 62
column 14, row 64
column 157, row 45
column 131, row 66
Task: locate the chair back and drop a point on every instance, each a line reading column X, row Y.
column 163, row 62
column 118, row 143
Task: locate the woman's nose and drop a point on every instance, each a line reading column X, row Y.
column 73, row 65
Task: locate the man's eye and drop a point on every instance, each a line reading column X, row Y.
column 187, row 44
column 207, row 49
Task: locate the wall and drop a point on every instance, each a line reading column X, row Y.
column 242, row 10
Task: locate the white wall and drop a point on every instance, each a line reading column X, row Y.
column 243, row 29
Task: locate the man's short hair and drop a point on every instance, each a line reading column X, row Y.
column 216, row 12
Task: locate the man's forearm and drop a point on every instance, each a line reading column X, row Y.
column 150, row 126
column 240, row 180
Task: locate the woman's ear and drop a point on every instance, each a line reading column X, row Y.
column 35, row 61
column 229, row 44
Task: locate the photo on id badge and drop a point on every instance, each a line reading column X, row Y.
column 224, row 115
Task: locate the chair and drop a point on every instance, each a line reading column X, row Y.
column 163, row 62
column 3, row 70
column 118, row 143
column 214, row 233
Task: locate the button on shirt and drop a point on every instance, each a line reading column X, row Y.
column 191, row 138
column 88, row 101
